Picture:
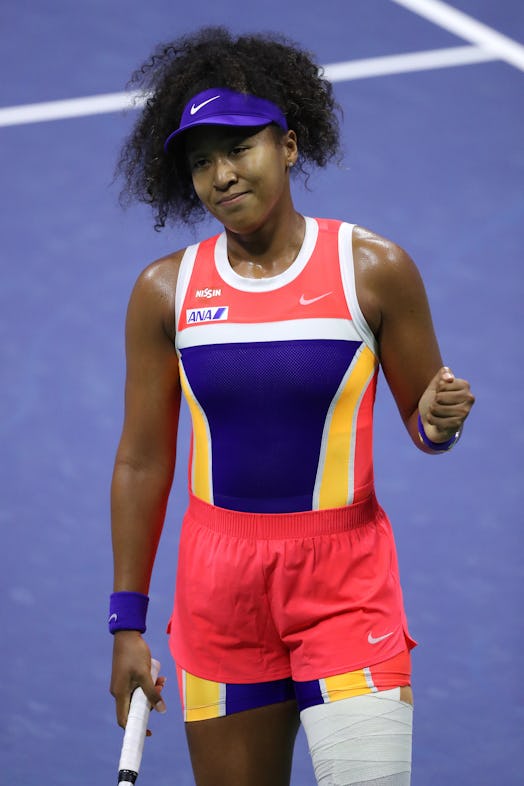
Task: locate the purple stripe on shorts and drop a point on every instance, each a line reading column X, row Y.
column 308, row 694
column 258, row 694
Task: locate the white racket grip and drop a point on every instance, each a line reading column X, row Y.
column 136, row 727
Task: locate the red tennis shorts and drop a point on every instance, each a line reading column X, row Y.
column 263, row 597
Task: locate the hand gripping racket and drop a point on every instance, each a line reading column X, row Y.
column 135, row 733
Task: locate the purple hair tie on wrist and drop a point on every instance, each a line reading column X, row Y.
column 127, row 611
column 437, row 447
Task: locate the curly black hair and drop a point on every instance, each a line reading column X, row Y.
column 266, row 65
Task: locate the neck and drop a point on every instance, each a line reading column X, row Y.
column 269, row 250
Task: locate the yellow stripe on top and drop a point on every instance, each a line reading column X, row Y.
column 201, row 484
column 335, row 478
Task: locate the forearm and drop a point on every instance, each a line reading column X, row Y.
column 139, row 497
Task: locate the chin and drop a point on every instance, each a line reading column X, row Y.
column 242, row 227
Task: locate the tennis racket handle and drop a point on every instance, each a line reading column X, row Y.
column 135, row 732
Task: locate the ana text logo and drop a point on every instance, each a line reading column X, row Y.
column 215, row 314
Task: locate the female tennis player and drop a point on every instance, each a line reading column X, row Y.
column 288, row 604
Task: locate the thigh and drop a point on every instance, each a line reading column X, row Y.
column 362, row 741
column 250, row 748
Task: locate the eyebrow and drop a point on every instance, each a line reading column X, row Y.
column 204, row 146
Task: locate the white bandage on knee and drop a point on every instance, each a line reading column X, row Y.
column 362, row 741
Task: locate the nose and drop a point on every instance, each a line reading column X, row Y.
column 224, row 174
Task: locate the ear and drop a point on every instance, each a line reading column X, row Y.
column 289, row 141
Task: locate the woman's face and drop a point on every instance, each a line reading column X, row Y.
column 241, row 175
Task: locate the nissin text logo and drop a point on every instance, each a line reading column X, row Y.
column 207, row 292
column 216, row 314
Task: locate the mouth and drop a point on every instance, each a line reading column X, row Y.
column 232, row 199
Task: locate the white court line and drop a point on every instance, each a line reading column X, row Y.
column 470, row 29
column 398, row 64
column 336, row 72
column 71, row 107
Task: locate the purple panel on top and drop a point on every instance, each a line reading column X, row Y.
column 266, row 405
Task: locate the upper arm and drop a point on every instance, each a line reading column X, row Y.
column 393, row 299
column 152, row 390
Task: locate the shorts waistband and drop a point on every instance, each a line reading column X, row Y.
column 268, row 526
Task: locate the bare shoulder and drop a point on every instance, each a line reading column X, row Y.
column 377, row 255
column 384, row 273
column 154, row 292
column 160, row 277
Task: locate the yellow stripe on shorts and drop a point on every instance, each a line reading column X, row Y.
column 203, row 699
column 345, row 686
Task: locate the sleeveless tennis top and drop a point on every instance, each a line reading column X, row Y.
column 280, row 377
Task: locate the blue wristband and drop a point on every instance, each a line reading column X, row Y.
column 127, row 611
column 437, row 447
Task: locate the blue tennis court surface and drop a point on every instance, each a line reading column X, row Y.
column 434, row 158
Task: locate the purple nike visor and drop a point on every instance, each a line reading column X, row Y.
column 222, row 107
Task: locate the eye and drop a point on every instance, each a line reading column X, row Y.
column 239, row 149
column 198, row 163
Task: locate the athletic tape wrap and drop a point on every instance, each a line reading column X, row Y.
column 361, row 741
column 437, row 447
column 127, row 611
